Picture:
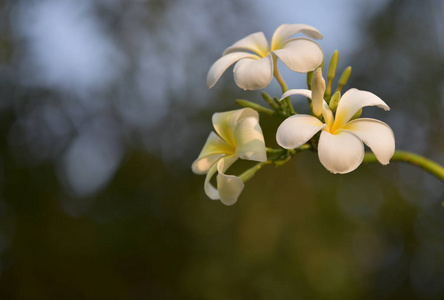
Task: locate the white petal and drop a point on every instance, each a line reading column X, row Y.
column 229, row 186
column 222, row 64
column 352, row 101
column 297, row 130
column 213, row 149
column 340, row 153
column 301, row 55
column 303, row 92
column 254, row 74
column 375, row 134
column 225, row 122
column 249, row 139
column 285, row 31
column 202, row 165
column 210, row 190
column 255, row 42
column 318, row 88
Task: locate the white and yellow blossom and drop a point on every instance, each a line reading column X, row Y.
column 341, row 143
column 238, row 135
column 255, row 59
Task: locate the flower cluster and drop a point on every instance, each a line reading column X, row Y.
column 334, row 128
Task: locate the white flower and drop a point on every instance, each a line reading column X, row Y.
column 340, row 148
column 238, row 135
column 254, row 68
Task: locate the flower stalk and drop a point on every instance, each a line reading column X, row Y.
column 278, row 157
column 270, row 101
column 280, row 80
column 248, row 174
column 414, row 159
column 255, row 106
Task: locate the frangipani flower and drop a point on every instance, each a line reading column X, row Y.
column 341, row 143
column 238, row 135
column 255, row 59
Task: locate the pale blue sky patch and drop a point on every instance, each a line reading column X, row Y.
column 339, row 21
column 66, row 46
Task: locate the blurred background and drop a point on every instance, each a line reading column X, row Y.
column 104, row 106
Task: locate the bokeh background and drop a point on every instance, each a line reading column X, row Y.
column 103, row 108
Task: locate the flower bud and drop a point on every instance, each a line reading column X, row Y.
column 333, row 65
column 331, row 72
column 334, row 101
column 344, row 78
column 318, row 88
column 357, row 114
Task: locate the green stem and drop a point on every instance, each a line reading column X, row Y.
column 270, row 101
column 280, row 80
column 284, row 88
column 414, row 159
column 248, row 174
column 281, row 156
column 257, row 107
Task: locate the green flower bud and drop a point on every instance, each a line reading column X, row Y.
column 357, row 114
column 334, row 101
column 331, row 73
column 333, row 65
column 344, row 78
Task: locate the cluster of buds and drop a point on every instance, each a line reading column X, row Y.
column 334, row 128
